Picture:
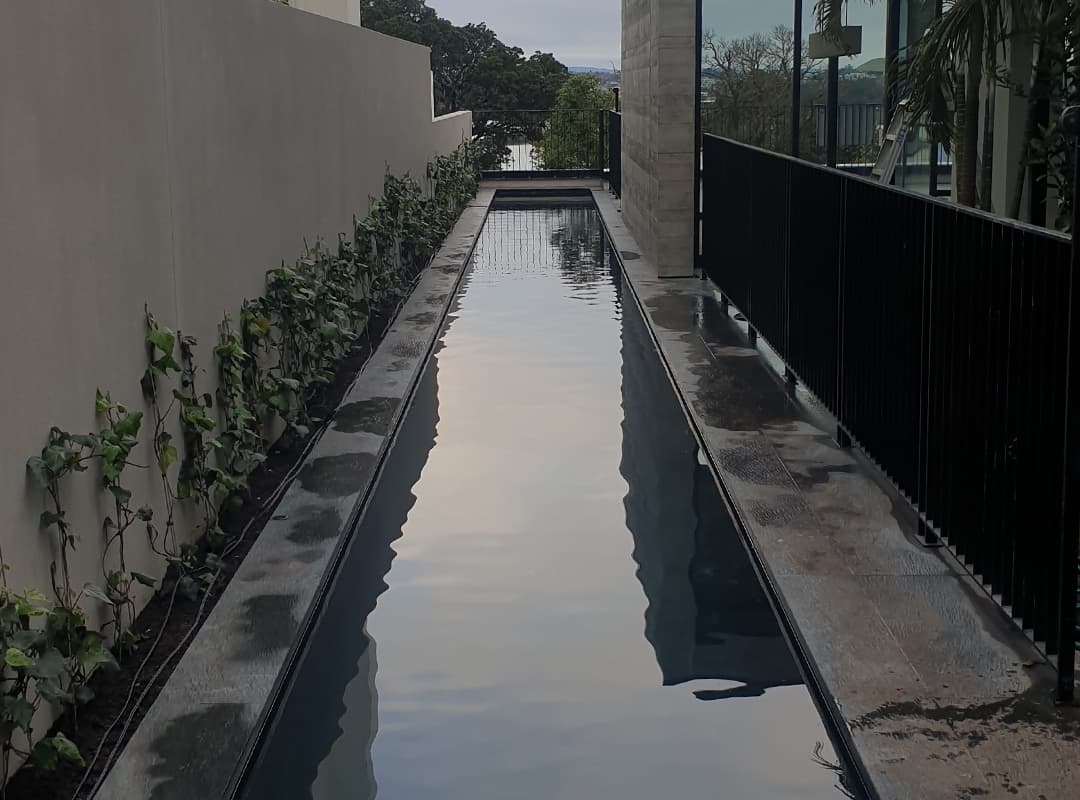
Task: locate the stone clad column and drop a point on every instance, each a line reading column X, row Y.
column 658, row 89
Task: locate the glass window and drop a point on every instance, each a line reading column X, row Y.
column 746, row 79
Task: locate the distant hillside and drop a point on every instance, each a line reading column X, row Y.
column 591, row 70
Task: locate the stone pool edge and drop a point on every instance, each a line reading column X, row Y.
column 201, row 731
column 932, row 690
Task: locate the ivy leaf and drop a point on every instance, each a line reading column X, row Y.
column 19, row 710
column 101, row 404
column 129, row 425
column 90, row 590
column 51, row 751
column 52, row 692
column 189, row 588
column 17, row 659
column 26, row 640
column 279, row 403
column 163, row 339
column 31, row 603
column 50, row 518
column 38, row 468
column 121, row 494
column 168, row 456
column 92, row 652
column 50, row 665
column 165, row 365
column 145, row 580
column 112, row 453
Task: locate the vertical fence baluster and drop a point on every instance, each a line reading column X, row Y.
column 945, row 354
column 1069, row 535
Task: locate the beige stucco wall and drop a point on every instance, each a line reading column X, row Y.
column 658, row 94
column 168, row 153
column 341, row 10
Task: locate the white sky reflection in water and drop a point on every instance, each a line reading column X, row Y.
column 565, row 556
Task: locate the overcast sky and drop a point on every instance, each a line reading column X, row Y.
column 587, row 32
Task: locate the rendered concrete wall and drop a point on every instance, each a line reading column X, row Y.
column 341, row 10
column 167, row 154
column 658, row 92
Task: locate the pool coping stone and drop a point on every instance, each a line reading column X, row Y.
column 200, row 732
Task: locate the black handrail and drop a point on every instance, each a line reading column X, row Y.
column 938, row 338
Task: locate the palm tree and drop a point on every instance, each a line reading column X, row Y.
column 970, row 33
column 958, row 59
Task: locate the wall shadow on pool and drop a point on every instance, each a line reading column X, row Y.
column 289, row 766
column 708, row 617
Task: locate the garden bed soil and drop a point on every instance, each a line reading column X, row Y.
column 90, row 729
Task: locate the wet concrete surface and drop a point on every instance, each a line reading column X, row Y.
column 546, row 596
column 201, row 724
column 941, row 694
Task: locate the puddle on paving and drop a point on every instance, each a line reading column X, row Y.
column 570, row 612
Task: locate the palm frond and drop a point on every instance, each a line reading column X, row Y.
column 933, row 69
column 829, row 15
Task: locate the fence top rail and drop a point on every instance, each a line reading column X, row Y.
column 535, row 110
column 1023, row 227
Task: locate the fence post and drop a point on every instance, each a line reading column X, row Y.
column 796, row 79
column 1069, row 543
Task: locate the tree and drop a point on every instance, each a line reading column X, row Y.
column 747, row 87
column 472, row 68
column 571, row 140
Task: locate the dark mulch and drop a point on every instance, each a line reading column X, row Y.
column 88, row 730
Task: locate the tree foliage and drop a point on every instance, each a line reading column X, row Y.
column 472, row 68
column 747, row 88
column 571, row 139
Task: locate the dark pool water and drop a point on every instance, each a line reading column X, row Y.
column 546, row 597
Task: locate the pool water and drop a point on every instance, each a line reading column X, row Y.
column 547, row 596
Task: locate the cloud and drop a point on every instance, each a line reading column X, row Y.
column 579, row 32
column 588, row 32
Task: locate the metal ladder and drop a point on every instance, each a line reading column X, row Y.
column 892, row 145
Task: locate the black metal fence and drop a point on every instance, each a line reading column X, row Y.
column 937, row 336
column 614, row 131
column 859, row 132
column 552, row 140
column 765, row 127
